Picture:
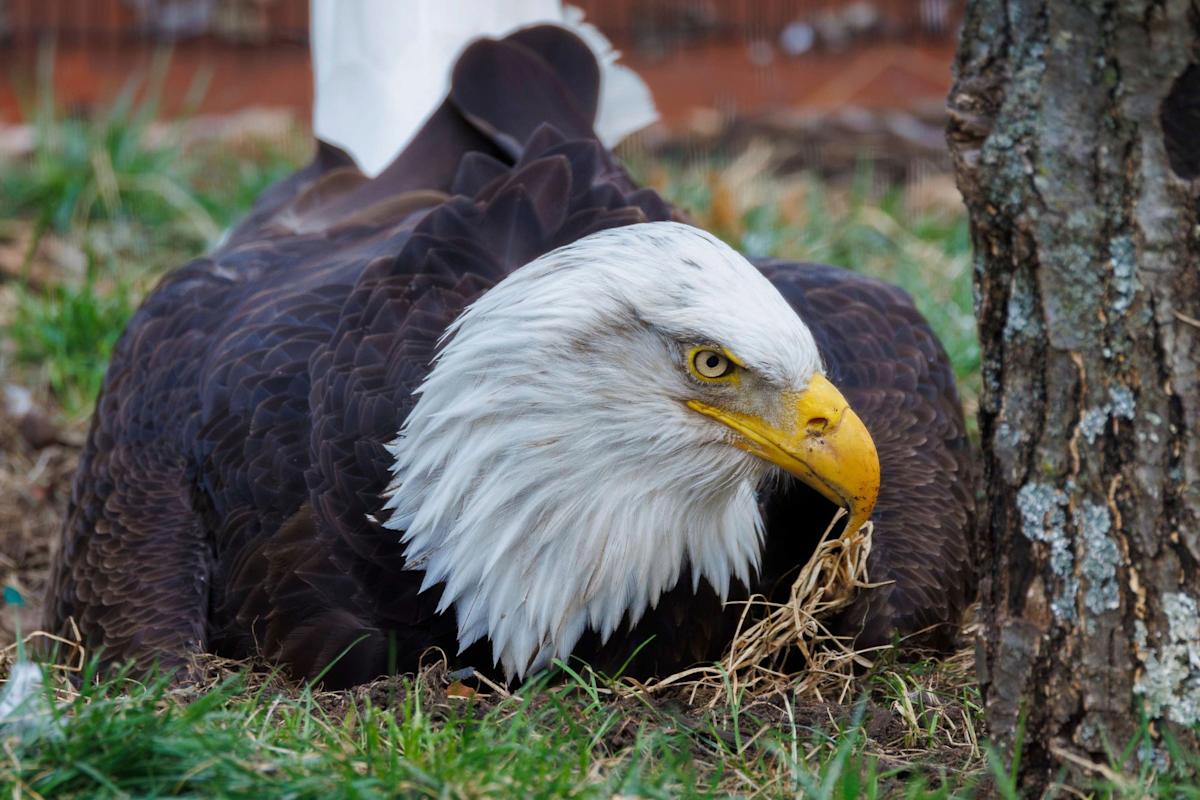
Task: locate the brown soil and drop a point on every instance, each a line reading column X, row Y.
column 36, row 468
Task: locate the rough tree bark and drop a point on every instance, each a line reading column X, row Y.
column 1075, row 128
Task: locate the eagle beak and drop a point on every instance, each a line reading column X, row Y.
column 821, row 441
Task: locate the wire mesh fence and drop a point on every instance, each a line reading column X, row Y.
column 828, row 82
column 647, row 25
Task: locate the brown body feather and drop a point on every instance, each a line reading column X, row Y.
column 228, row 493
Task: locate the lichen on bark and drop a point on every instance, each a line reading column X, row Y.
column 1170, row 678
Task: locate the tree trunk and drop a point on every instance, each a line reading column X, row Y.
column 1075, row 129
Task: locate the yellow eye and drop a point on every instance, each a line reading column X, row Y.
column 711, row 365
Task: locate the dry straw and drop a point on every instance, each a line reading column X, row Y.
column 770, row 634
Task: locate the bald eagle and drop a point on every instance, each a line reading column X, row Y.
column 501, row 401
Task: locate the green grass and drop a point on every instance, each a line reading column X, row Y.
column 252, row 734
column 102, row 168
column 136, row 204
column 66, row 333
column 250, row 737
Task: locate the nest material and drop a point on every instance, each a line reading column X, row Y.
column 769, row 634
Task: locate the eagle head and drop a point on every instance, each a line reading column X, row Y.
column 603, row 417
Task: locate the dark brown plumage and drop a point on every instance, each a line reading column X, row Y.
column 227, row 495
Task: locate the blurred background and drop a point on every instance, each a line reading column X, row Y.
column 134, row 132
column 833, row 79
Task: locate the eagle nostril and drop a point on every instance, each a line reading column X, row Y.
column 817, row 425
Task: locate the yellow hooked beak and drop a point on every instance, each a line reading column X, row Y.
column 821, row 442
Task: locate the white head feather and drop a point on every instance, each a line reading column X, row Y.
column 551, row 474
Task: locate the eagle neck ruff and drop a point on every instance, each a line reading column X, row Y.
column 549, row 476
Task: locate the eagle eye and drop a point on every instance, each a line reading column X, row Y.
column 711, row 365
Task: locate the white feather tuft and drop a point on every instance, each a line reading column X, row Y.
column 381, row 67
column 626, row 104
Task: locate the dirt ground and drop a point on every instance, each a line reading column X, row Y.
column 37, row 462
